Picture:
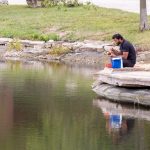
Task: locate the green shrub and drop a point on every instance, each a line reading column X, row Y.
column 53, row 36
column 59, row 50
column 35, row 36
column 15, row 44
column 48, row 3
column 89, row 6
column 71, row 3
column 51, row 3
column 46, row 37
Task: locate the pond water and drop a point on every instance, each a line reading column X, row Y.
column 52, row 107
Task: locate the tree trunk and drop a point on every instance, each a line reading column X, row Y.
column 143, row 16
column 32, row 3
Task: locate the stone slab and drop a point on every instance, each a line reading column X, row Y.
column 128, row 95
column 126, row 77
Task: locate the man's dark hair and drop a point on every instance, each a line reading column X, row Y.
column 117, row 36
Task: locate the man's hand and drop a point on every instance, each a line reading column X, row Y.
column 112, row 55
column 108, row 53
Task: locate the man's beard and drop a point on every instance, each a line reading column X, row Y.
column 118, row 43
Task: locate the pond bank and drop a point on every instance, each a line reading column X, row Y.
column 86, row 52
column 138, row 96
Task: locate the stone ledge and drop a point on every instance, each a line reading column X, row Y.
column 143, row 56
column 88, row 51
column 82, row 46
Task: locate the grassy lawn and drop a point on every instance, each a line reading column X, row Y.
column 74, row 23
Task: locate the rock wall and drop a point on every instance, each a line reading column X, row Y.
column 127, row 95
column 85, row 52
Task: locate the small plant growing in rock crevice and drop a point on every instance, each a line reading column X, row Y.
column 15, row 44
column 59, row 50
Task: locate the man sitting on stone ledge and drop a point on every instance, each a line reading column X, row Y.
column 127, row 51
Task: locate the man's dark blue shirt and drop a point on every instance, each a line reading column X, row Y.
column 126, row 46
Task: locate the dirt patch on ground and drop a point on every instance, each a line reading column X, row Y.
column 57, row 30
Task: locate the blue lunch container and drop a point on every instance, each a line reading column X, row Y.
column 117, row 62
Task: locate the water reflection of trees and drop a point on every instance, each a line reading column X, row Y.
column 49, row 114
column 45, row 117
column 6, row 115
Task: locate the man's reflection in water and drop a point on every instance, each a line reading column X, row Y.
column 117, row 126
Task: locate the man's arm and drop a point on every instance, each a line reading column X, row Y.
column 124, row 55
column 115, row 52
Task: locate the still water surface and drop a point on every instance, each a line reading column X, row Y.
column 52, row 107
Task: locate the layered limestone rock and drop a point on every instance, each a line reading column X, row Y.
column 127, row 95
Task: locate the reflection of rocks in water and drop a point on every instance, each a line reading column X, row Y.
column 126, row 110
column 82, row 70
column 120, row 119
column 77, row 69
column 71, row 86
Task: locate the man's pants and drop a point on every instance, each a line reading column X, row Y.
column 127, row 63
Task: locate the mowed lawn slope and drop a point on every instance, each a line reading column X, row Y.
column 78, row 23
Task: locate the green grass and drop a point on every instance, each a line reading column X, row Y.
column 81, row 22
